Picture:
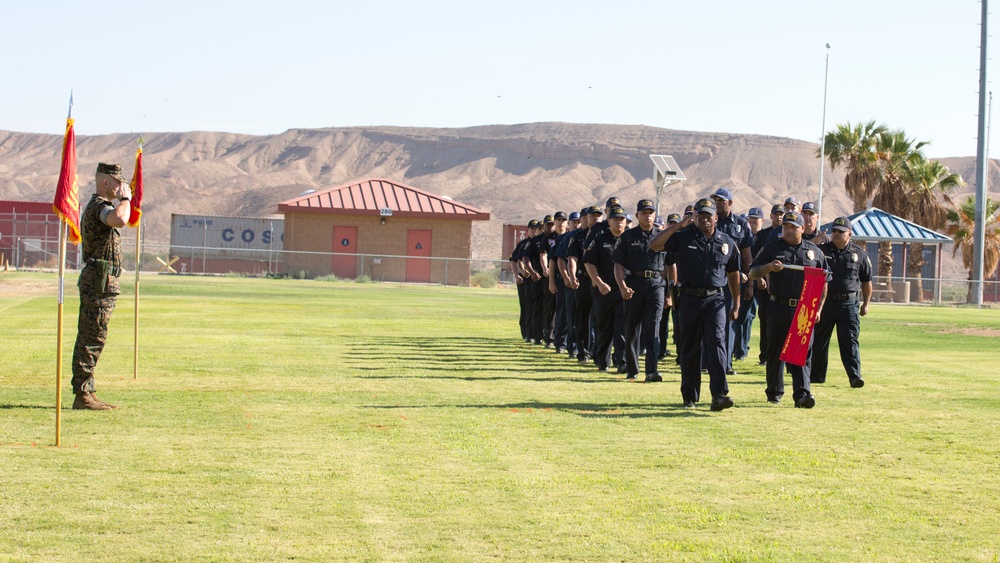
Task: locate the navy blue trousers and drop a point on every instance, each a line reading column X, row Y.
column 845, row 317
column 642, row 322
column 581, row 318
column 779, row 320
column 703, row 324
column 609, row 317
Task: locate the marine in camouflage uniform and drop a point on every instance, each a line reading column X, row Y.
column 99, row 288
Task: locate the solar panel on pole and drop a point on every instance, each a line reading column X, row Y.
column 666, row 171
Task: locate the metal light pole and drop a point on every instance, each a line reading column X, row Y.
column 979, row 232
column 822, row 137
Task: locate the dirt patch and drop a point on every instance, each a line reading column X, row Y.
column 12, row 287
column 973, row 331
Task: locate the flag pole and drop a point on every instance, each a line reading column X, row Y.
column 59, row 342
column 138, row 264
column 63, row 234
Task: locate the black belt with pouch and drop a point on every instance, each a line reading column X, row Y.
column 103, row 269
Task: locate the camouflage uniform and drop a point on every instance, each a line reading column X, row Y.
column 102, row 256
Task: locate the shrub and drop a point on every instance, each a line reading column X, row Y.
column 486, row 279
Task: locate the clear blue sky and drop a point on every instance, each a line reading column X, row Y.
column 265, row 67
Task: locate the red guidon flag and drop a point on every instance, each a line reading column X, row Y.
column 796, row 346
column 135, row 211
column 67, row 201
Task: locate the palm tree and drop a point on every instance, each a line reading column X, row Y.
column 928, row 183
column 898, row 158
column 961, row 228
column 855, row 148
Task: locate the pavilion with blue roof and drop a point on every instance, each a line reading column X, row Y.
column 873, row 226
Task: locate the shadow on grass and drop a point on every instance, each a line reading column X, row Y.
column 585, row 410
column 43, row 407
column 460, row 354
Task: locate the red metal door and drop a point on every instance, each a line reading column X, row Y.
column 418, row 243
column 345, row 241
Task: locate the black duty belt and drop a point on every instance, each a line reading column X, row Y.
column 700, row 291
column 840, row 296
column 644, row 273
column 788, row 302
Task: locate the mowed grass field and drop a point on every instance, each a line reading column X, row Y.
column 300, row 419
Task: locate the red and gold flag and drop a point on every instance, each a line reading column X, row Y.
column 67, row 201
column 135, row 211
column 796, row 347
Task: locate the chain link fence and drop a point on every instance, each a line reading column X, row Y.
column 40, row 251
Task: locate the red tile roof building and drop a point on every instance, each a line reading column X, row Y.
column 379, row 228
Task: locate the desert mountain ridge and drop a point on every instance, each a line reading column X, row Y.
column 515, row 172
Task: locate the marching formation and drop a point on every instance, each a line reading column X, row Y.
column 612, row 290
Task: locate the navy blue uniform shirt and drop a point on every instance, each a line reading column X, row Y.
column 738, row 229
column 599, row 252
column 787, row 284
column 633, row 252
column 850, row 267
column 533, row 251
column 703, row 262
column 574, row 247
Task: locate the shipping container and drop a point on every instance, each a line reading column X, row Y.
column 216, row 244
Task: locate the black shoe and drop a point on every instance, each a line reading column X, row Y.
column 629, row 378
column 762, row 363
column 549, row 345
column 741, row 358
column 538, row 342
column 811, row 380
column 653, row 377
column 689, row 404
column 774, row 401
column 661, row 357
column 668, row 352
column 730, row 371
column 622, row 369
column 806, row 402
column 857, row 383
column 602, row 370
column 584, row 359
column 722, row 403
column 559, row 350
column 677, row 360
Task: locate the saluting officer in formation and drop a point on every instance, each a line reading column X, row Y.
column 785, row 287
column 610, row 282
column 851, row 273
column 707, row 260
column 639, row 274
